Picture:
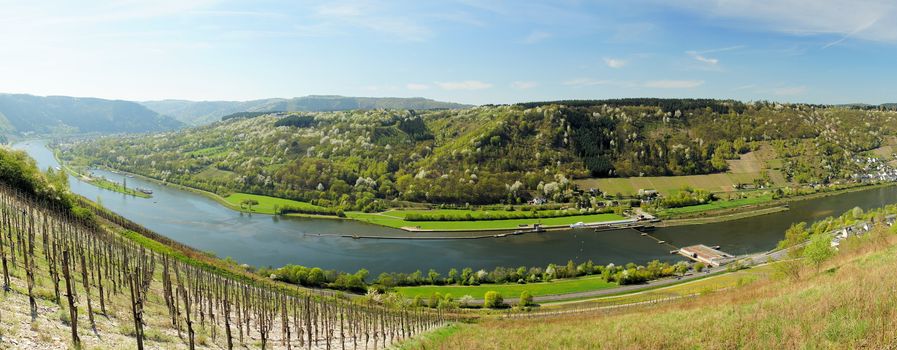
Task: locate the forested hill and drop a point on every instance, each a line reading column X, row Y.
column 61, row 114
column 491, row 154
column 204, row 112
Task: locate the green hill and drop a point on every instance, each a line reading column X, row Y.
column 204, row 112
column 363, row 160
column 61, row 114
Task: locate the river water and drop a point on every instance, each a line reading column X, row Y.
column 263, row 240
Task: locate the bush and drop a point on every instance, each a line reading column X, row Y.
column 526, row 299
column 699, row 266
column 493, row 300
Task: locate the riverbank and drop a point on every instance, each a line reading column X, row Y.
column 101, row 182
column 266, row 205
column 425, row 229
column 770, row 207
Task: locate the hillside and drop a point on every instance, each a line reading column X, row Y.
column 61, row 114
column 363, row 160
column 845, row 303
column 204, row 112
column 77, row 276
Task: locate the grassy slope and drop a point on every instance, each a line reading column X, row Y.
column 849, row 303
column 391, row 220
column 704, row 285
column 512, row 290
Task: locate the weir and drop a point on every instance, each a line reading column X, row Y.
column 709, row 255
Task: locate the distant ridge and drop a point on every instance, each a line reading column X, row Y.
column 204, row 112
column 20, row 113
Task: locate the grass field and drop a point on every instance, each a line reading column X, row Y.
column 700, row 286
column 667, row 185
column 266, row 204
column 744, row 170
column 395, row 219
column 512, row 291
column 719, row 204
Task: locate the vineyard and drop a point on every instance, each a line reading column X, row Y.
column 97, row 282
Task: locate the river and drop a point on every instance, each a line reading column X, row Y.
column 263, row 240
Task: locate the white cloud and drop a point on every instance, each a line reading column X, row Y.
column 863, row 19
column 463, row 85
column 674, row 84
column 697, row 56
column 536, row 36
column 364, row 16
column 416, row 86
column 523, row 85
column 615, row 63
column 790, row 90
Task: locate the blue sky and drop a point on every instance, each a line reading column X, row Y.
column 468, row 51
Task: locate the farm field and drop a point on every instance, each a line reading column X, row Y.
column 512, row 291
column 395, row 219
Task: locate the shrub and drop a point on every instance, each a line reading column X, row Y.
column 526, row 299
column 493, row 300
column 699, row 266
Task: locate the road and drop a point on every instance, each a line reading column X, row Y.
column 753, row 259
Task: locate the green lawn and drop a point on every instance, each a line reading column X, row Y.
column 509, row 291
column 395, row 219
column 720, row 204
column 266, row 204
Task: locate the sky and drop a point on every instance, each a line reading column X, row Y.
column 469, row 51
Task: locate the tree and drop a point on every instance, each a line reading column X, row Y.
column 453, row 276
column 818, row 250
column 248, row 203
column 493, row 300
column 433, row 276
column 316, row 277
column 526, row 299
column 466, row 300
column 465, row 274
column 362, row 274
column 795, row 234
column 433, row 302
column 699, row 266
column 681, row 268
column 571, row 269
